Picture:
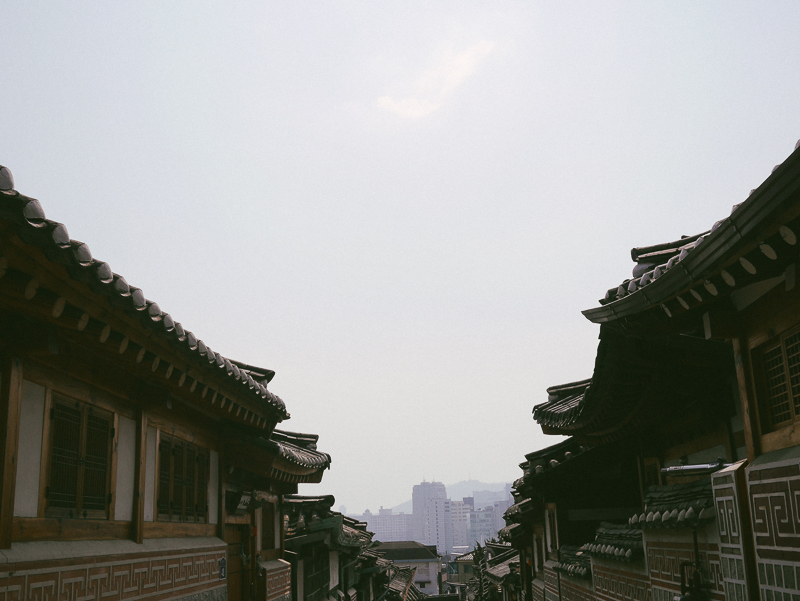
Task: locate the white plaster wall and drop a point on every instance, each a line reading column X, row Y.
column 333, row 557
column 213, row 488
column 126, row 469
column 150, row 475
column 259, row 531
column 278, row 527
column 29, row 457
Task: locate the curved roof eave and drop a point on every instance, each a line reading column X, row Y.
column 765, row 204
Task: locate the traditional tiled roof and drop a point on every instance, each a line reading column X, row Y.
column 500, row 566
column 414, row 594
column 353, row 537
column 400, row 585
column 299, row 449
column 615, row 541
column 284, row 456
column 676, row 506
column 372, row 560
column 466, row 557
column 494, row 549
column 511, row 533
column 623, row 396
column 300, row 511
column 303, row 514
column 752, row 243
column 653, row 261
column 564, row 403
column 407, row 550
column 540, row 463
column 516, row 512
column 26, row 219
column 573, row 561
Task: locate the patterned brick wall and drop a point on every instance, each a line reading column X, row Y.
column 620, row 585
column 537, row 593
column 733, row 526
column 279, row 584
column 156, row 578
column 573, row 589
column 664, row 559
column 774, row 490
column 550, row 583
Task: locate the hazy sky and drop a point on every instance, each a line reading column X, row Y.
column 401, row 208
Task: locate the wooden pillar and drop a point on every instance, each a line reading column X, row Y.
column 279, row 507
column 223, row 479
column 747, row 397
column 140, row 477
column 10, row 402
column 525, row 572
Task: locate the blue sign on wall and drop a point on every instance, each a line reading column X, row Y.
column 223, row 569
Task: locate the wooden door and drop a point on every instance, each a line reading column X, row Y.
column 239, row 573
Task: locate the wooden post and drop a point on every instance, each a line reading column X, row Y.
column 747, row 397
column 223, row 478
column 140, row 477
column 10, row 402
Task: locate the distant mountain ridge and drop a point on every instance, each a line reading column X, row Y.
column 484, row 493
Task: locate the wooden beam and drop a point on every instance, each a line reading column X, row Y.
column 37, row 529
column 10, row 402
column 741, row 354
column 140, row 470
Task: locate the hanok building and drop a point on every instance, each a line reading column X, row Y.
column 401, row 587
column 736, row 283
column 137, row 462
column 425, row 560
column 460, row 570
column 333, row 556
column 497, row 577
column 696, row 377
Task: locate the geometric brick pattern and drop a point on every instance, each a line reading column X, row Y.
column 664, row 559
column 550, row 584
column 279, row 583
column 774, row 504
column 157, row 578
column 573, row 590
column 732, row 532
column 619, row 585
column 774, row 491
column 779, row 581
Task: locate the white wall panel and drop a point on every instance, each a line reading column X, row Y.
column 29, row 457
column 126, row 469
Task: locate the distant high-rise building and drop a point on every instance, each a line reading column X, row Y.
column 482, row 525
column 431, row 516
column 386, row 525
column 459, row 515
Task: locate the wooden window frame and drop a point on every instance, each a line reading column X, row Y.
column 86, row 409
column 200, row 515
column 764, row 402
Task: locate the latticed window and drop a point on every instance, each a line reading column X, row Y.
column 780, row 362
column 182, row 481
column 316, row 575
column 80, row 459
